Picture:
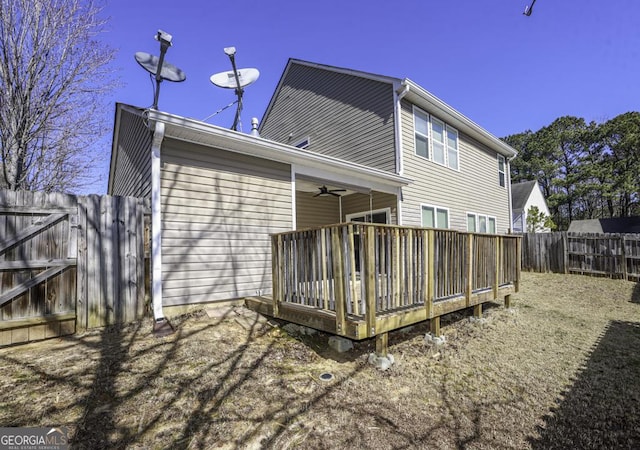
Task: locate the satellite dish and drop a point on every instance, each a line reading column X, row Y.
column 227, row 79
column 157, row 67
column 150, row 63
column 234, row 79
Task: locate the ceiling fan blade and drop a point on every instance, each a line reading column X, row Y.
column 338, row 190
column 334, row 194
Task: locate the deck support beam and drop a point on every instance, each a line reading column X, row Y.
column 507, row 301
column 477, row 311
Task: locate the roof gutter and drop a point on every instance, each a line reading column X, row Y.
column 306, row 162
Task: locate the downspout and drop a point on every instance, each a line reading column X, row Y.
column 510, row 229
column 398, row 95
column 156, row 223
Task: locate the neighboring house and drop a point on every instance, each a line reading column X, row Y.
column 394, row 153
column 608, row 225
column 524, row 195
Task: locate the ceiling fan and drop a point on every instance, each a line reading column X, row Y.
column 325, row 191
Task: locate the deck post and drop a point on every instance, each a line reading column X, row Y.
column 382, row 344
column 519, row 263
column 276, row 270
column 431, row 273
column 477, row 311
column 496, row 276
column 338, row 273
column 434, row 326
column 370, row 280
column 469, row 286
column 507, row 301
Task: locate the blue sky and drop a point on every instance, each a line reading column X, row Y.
column 505, row 71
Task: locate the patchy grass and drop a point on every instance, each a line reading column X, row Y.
column 561, row 369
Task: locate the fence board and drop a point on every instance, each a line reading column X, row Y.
column 61, row 255
column 608, row 254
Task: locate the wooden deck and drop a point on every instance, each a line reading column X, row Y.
column 363, row 280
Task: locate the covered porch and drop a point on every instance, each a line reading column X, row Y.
column 362, row 280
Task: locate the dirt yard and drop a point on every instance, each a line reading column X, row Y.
column 559, row 370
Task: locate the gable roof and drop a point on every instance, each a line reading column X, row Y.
column 405, row 88
column 305, row 162
column 520, row 193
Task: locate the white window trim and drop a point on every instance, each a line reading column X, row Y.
column 387, row 211
column 477, row 219
column 504, row 165
column 435, row 210
column 429, row 137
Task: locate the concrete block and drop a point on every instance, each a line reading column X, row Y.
column 478, row 321
column 340, row 344
column 299, row 330
column 429, row 338
column 381, row 362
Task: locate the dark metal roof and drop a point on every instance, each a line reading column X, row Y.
column 520, row 192
column 609, row 225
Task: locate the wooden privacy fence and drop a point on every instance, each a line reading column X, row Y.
column 361, row 280
column 611, row 255
column 69, row 262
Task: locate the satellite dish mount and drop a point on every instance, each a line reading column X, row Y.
column 237, row 80
column 157, row 67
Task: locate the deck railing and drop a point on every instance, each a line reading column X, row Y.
column 364, row 272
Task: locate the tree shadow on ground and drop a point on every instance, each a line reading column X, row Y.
column 602, row 407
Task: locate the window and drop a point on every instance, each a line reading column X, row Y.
column 491, row 225
column 421, row 120
column 435, row 140
column 479, row 223
column 434, row 217
column 502, row 175
column 452, row 147
column 471, row 223
column 376, row 216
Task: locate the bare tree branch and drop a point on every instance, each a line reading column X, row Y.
column 53, row 77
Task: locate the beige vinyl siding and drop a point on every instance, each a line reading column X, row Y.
column 359, row 203
column 344, row 116
column 132, row 172
column 316, row 211
column 218, row 209
column 472, row 189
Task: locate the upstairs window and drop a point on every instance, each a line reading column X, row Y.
column 437, row 127
column 502, row 174
column 452, row 147
column 435, row 140
column 421, row 122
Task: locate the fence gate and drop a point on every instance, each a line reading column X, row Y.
column 69, row 262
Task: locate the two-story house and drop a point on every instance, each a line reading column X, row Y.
column 459, row 172
column 337, row 145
